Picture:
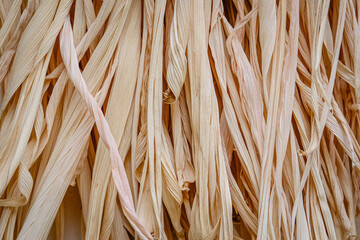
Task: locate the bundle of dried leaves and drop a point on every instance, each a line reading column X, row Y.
column 179, row 119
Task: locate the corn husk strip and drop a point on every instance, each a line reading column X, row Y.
column 177, row 66
column 123, row 91
column 69, row 55
column 277, row 67
column 267, row 36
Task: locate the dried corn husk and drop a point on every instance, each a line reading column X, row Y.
column 179, row 119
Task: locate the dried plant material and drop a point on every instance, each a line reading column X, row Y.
column 179, row 119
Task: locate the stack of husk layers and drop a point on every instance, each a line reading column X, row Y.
column 179, row 119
